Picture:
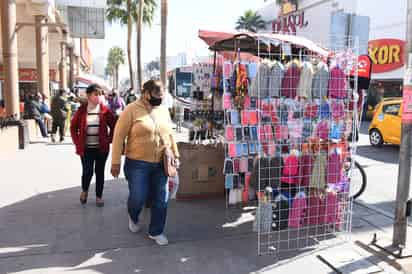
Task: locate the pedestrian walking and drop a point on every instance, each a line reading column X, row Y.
column 147, row 127
column 116, row 103
column 33, row 110
column 130, row 96
column 92, row 129
column 59, row 112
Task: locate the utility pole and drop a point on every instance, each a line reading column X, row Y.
column 404, row 173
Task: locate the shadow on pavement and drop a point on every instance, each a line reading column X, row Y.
column 387, row 153
column 53, row 231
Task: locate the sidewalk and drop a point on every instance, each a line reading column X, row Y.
column 44, row 229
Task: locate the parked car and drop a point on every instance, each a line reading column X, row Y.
column 386, row 123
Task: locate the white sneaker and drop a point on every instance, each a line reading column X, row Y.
column 134, row 228
column 160, row 239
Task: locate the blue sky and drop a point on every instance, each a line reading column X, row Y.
column 186, row 17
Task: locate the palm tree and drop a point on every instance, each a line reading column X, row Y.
column 163, row 41
column 139, row 13
column 114, row 60
column 124, row 12
column 250, row 21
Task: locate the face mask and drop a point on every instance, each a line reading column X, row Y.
column 155, row 101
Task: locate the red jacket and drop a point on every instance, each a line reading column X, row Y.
column 78, row 129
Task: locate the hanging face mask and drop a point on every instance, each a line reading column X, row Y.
column 153, row 101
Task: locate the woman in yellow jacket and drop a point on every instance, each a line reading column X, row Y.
column 145, row 126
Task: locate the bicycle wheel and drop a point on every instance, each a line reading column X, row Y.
column 357, row 181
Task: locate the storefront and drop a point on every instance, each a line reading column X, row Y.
column 28, row 82
column 380, row 31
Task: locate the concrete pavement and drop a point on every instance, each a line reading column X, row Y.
column 44, row 229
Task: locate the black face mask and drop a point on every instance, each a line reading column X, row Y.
column 154, row 102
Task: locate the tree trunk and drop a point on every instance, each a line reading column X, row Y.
column 163, row 43
column 117, row 77
column 129, row 41
column 139, row 45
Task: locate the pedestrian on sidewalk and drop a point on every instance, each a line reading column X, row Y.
column 130, row 96
column 147, row 127
column 116, row 103
column 59, row 113
column 33, row 110
column 92, row 129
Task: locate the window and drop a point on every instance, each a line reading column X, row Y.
column 392, row 109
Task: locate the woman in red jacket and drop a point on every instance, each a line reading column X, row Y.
column 92, row 129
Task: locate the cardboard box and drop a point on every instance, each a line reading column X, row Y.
column 201, row 171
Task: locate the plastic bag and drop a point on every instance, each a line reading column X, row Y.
column 173, row 186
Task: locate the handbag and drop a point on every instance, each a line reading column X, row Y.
column 168, row 158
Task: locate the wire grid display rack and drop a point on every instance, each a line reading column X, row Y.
column 290, row 127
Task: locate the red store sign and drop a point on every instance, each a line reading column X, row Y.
column 387, row 54
column 290, row 23
column 30, row 75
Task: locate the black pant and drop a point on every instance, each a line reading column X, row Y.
column 60, row 125
column 93, row 160
column 42, row 126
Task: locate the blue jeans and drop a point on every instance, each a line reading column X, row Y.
column 147, row 181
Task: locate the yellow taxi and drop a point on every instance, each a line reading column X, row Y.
column 386, row 123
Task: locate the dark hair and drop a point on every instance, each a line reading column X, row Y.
column 152, row 86
column 93, row 87
column 61, row 92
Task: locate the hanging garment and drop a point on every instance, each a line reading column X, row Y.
column 247, row 102
column 281, row 212
column 275, row 171
column 333, row 210
column 234, row 117
column 260, row 84
column 253, row 117
column 283, row 114
column 275, row 79
column 263, row 220
column 311, row 111
column 246, row 189
column 290, row 173
column 335, row 167
column 262, row 173
column 236, row 165
column 322, row 129
column 227, row 101
column 253, row 133
column 252, row 149
column 337, row 84
column 268, row 132
column 338, row 110
column 307, row 128
column 290, row 81
column 229, row 181
column 320, row 81
column 336, row 130
column 295, row 127
column 245, row 149
column 229, row 134
column 239, row 150
column 281, row 132
column 232, row 150
column 243, row 165
column 318, row 177
column 244, row 114
column 305, row 169
column 227, row 70
column 238, row 134
column 324, row 110
column 305, row 81
column 247, row 134
column 252, row 70
column 228, row 166
column 316, row 210
column 297, row 212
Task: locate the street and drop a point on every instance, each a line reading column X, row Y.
column 381, row 167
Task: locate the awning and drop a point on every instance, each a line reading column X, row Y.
column 258, row 43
